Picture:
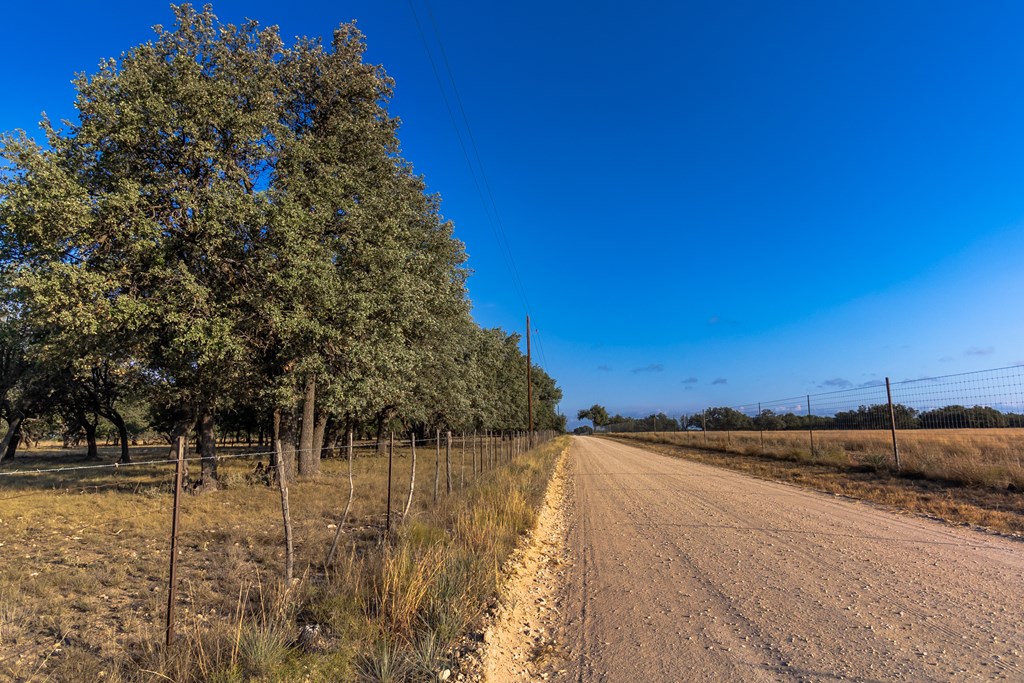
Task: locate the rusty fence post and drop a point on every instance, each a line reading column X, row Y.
column 391, row 457
column 760, row 422
column 810, row 424
column 173, row 581
column 892, row 424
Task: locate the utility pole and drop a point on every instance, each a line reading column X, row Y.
column 529, row 378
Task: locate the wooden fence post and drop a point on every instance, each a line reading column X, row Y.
column 289, row 557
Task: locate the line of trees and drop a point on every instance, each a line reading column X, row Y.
column 228, row 239
column 864, row 417
column 721, row 419
column 655, row 422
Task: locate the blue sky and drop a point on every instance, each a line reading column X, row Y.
column 709, row 203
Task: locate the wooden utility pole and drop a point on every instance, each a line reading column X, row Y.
column 529, row 377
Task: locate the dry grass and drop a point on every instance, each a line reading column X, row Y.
column 86, row 561
column 992, row 458
column 965, row 477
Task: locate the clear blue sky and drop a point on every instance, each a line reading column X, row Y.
column 709, row 203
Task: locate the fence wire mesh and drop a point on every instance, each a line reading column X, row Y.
column 984, row 399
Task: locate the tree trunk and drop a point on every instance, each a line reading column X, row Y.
column 319, row 437
column 181, row 429
column 286, row 434
column 122, row 435
column 93, row 452
column 10, row 442
column 309, row 462
column 382, row 418
column 412, row 479
column 207, row 449
column 12, row 447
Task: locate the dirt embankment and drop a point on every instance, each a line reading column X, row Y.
column 521, row 642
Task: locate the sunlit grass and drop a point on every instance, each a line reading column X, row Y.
column 89, row 568
column 971, row 477
column 976, row 457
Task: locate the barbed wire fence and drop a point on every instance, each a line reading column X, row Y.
column 451, row 463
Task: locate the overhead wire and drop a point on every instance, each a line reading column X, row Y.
column 482, row 184
column 476, row 153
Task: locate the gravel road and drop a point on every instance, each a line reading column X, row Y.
column 684, row 572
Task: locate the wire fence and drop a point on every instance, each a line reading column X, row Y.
column 967, row 427
column 984, row 399
column 87, row 545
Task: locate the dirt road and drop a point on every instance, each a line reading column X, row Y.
column 684, row 572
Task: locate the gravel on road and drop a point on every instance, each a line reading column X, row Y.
column 685, row 572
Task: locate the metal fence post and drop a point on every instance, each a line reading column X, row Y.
column 173, row 581
column 892, row 424
column 760, row 422
column 810, row 423
column 391, row 457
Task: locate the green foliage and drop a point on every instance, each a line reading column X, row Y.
column 656, row 422
column 228, row 230
column 596, row 414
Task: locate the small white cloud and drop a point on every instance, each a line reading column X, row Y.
column 721, row 380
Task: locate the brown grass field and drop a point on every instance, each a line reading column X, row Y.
column 975, row 457
column 967, row 476
column 83, row 582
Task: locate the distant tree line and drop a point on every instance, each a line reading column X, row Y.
column 227, row 241
column 721, row 419
column 659, row 422
column 864, row 417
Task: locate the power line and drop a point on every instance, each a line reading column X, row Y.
column 476, row 149
column 491, row 207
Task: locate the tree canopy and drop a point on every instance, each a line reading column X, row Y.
column 229, row 229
